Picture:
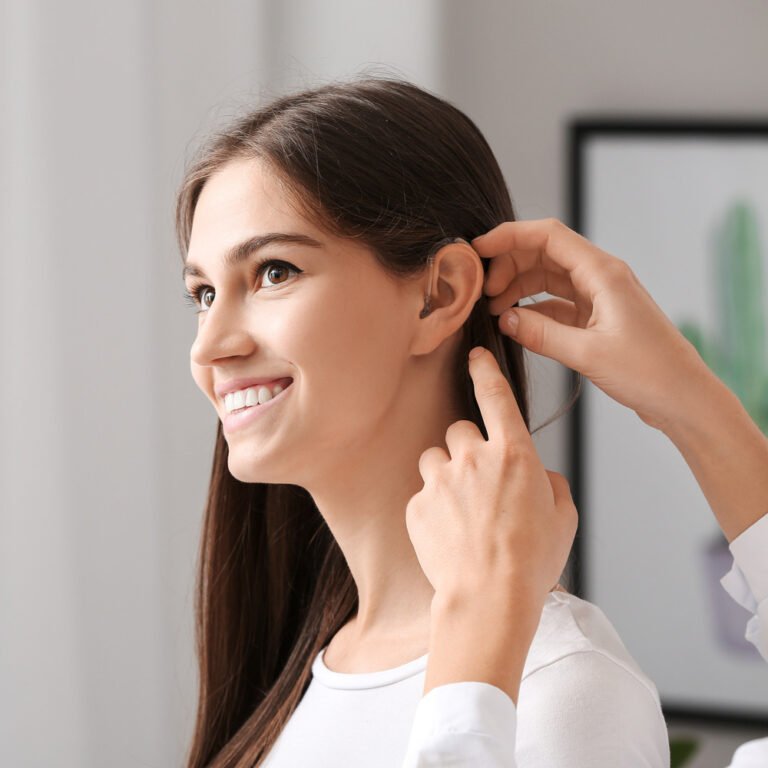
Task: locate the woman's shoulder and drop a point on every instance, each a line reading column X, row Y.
column 583, row 699
column 570, row 626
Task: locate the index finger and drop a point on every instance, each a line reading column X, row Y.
column 547, row 243
column 496, row 400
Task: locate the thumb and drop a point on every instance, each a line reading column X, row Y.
column 544, row 335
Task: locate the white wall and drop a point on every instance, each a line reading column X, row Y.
column 83, row 637
column 102, row 477
column 105, row 442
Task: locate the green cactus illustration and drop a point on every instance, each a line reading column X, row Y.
column 737, row 354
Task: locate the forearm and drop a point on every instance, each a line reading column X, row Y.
column 725, row 450
column 483, row 637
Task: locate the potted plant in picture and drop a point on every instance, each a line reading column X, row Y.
column 681, row 750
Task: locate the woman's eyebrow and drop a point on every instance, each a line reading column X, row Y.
column 242, row 251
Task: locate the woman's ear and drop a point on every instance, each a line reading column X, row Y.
column 451, row 288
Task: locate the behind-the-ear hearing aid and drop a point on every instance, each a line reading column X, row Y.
column 431, row 261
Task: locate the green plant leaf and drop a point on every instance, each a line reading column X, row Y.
column 681, row 751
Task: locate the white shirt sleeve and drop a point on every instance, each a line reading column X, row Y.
column 582, row 710
column 463, row 725
column 747, row 584
column 753, row 754
column 588, row 709
column 747, row 581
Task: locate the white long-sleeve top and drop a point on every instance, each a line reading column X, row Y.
column 454, row 728
column 583, row 701
column 457, row 726
column 747, row 581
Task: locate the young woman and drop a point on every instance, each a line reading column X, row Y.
column 325, row 246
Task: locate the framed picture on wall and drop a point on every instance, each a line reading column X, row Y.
column 685, row 204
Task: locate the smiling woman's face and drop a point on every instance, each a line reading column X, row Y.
column 326, row 315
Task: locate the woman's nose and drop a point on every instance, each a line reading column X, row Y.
column 223, row 332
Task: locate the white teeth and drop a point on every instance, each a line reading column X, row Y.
column 248, row 397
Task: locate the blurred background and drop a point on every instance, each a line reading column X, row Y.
column 105, row 440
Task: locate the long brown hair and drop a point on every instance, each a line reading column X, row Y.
column 385, row 162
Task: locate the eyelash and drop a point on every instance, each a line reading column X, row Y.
column 192, row 296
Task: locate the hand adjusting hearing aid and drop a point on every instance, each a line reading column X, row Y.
column 431, row 261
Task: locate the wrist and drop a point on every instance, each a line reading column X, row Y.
column 501, row 621
column 727, row 453
column 482, row 637
column 512, row 597
column 695, row 413
column 683, row 394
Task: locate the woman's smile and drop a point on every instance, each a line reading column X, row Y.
column 243, row 417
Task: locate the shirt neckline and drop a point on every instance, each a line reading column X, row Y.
column 356, row 681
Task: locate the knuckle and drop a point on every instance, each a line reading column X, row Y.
column 514, row 453
column 458, row 427
column 618, row 271
column 424, row 458
column 536, row 338
column 429, row 451
column 494, row 388
column 413, row 509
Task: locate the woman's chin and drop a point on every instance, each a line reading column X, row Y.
column 247, row 471
column 251, row 469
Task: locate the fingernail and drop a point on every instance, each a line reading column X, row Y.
column 513, row 320
column 475, row 352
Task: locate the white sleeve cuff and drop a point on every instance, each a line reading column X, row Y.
column 735, row 584
column 750, row 550
column 753, row 754
column 747, row 581
column 463, row 725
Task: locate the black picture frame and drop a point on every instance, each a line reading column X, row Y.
column 582, row 134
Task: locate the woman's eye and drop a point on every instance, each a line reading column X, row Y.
column 200, row 294
column 280, row 265
column 195, row 296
